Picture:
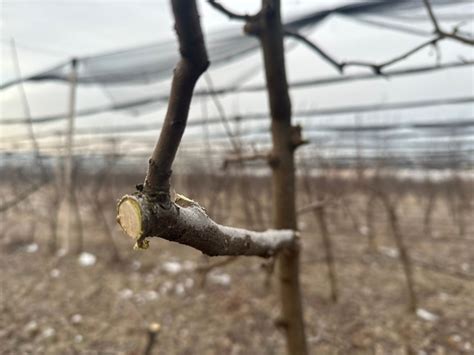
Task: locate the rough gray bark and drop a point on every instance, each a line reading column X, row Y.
column 186, row 222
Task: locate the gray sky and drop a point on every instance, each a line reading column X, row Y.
column 48, row 32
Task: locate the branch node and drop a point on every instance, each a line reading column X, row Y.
column 252, row 28
column 273, row 160
column 281, row 323
column 297, row 137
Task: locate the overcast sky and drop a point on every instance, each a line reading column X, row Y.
column 48, row 32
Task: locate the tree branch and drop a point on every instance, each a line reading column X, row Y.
column 232, row 15
column 186, row 222
column 318, row 204
column 378, row 68
column 432, row 16
column 317, row 49
column 151, row 212
column 193, row 63
column 241, row 158
column 443, row 34
column 21, row 196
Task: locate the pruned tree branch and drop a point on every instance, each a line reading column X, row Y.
column 186, row 222
column 152, row 335
column 152, row 212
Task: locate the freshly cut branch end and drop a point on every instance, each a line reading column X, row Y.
column 186, row 222
column 129, row 216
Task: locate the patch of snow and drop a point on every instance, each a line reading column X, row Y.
column 136, row 265
column 151, row 295
column 87, row 259
column 172, row 267
column 443, row 296
column 364, row 230
column 465, row 267
column 425, row 315
column 188, row 265
column 189, row 283
column 32, row 248
column 456, row 338
column 32, row 328
column 179, row 289
column 221, row 279
column 61, row 252
column 55, row 273
column 76, row 319
column 78, row 338
column 48, row 332
column 125, row 294
column 390, row 252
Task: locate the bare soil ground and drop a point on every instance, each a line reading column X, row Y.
column 58, row 305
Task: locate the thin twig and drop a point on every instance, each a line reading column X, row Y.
column 205, row 269
column 27, row 112
column 236, row 144
column 240, row 158
column 443, row 34
column 21, row 197
column 316, row 205
column 327, row 57
column 232, row 15
column 378, row 67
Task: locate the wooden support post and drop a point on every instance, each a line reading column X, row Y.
column 69, row 164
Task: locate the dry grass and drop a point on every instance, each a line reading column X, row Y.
column 54, row 305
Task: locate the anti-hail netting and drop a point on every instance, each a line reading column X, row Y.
column 407, row 133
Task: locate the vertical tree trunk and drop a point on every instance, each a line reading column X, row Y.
column 321, row 216
column 283, row 178
column 403, row 253
column 78, row 228
column 369, row 221
column 428, row 213
column 69, row 163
